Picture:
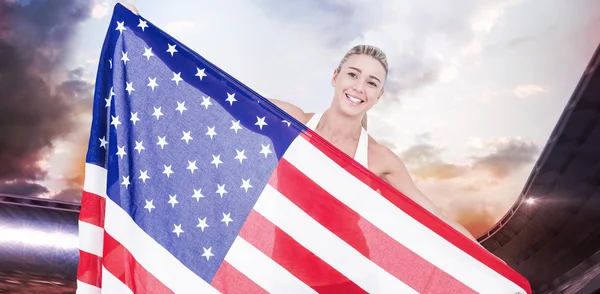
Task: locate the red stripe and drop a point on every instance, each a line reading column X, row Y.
column 89, row 270
column 416, row 211
column 121, row 264
column 303, row 264
column 362, row 235
column 92, row 209
column 229, row 280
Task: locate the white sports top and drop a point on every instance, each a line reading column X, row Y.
column 362, row 150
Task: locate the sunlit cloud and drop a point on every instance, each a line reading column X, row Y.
column 523, row 91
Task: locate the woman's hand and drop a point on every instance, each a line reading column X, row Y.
column 130, row 7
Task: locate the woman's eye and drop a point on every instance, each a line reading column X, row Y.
column 351, row 74
column 373, row 84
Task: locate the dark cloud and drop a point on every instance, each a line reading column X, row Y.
column 22, row 188
column 69, row 195
column 505, row 157
column 508, row 157
column 34, row 41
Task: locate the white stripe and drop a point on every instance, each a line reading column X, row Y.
column 394, row 222
column 91, row 238
column 151, row 255
column 110, row 284
column 327, row 246
column 85, row 288
column 262, row 270
column 95, row 180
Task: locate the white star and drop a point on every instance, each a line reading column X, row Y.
column 149, row 205
column 216, row 160
column 109, row 99
column 192, row 166
column 230, row 98
column 211, row 132
column 177, row 229
column 240, row 155
column 121, row 26
column 235, row 125
column 103, row 142
column 148, row 52
column 177, row 78
column 157, row 112
column 260, row 122
column 134, row 118
column 124, row 57
column 221, row 190
column 206, row 102
column 162, row 141
column 168, row 171
column 152, row 83
column 115, row 121
column 129, row 88
column 125, row 181
column 110, row 63
column 286, row 122
column 207, row 253
column 246, row 184
column 180, row 107
column 121, row 151
column 187, row 137
column 144, row 175
column 200, row 73
column 197, row 194
column 173, row 200
column 172, row 49
column 142, row 24
column 202, row 224
column 139, row 147
column 265, row 150
column 227, row 219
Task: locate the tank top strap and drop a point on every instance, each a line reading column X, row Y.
column 314, row 121
column 362, row 149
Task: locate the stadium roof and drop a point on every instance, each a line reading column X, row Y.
column 552, row 234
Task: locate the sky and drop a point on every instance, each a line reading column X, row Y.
column 474, row 89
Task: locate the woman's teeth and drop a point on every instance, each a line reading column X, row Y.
column 355, row 100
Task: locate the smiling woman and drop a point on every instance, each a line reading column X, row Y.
column 359, row 83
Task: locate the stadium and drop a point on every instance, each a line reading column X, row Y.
column 550, row 235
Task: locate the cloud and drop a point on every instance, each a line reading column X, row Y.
column 503, row 157
column 100, row 9
column 22, row 188
column 523, row 91
column 34, row 111
column 177, row 27
column 507, row 155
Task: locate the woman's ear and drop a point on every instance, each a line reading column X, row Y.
column 334, row 77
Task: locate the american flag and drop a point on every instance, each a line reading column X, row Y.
column 195, row 183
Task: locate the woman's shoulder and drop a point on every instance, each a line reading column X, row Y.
column 293, row 110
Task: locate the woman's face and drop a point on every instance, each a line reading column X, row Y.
column 359, row 84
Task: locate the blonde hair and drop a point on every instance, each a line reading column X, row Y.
column 372, row 51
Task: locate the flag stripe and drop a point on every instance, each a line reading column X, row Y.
column 264, row 235
column 90, row 267
column 229, row 280
column 310, row 234
column 151, row 255
column 382, row 249
column 119, row 261
column 397, row 223
column 110, row 284
column 85, row 288
column 263, row 270
column 92, row 209
column 90, row 238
